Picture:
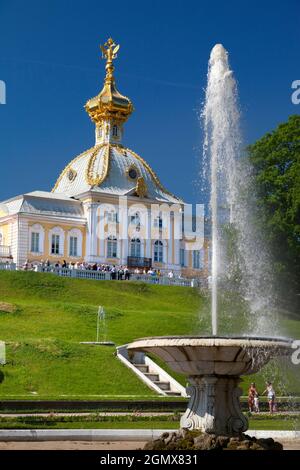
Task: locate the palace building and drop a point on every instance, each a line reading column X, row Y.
column 107, row 205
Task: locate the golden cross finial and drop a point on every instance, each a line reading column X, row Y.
column 109, row 52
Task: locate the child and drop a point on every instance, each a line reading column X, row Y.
column 256, row 403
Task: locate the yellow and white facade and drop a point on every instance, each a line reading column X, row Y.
column 107, row 206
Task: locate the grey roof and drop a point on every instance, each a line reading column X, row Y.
column 44, row 203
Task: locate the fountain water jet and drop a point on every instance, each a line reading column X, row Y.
column 214, row 365
column 232, row 204
column 221, row 146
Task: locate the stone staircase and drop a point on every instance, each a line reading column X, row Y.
column 151, row 373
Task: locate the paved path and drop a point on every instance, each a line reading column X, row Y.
column 72, row 445
column 91, row 414
column 291, row 444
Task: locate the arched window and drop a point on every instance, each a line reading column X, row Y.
column 36, row 239
column 158, row 251
column 115, row 131
column 56, row 241
column 112, row 247
column 135, row 247
column 75, row 243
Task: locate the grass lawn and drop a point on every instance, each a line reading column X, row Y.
column 43, row 318
column 133, row 422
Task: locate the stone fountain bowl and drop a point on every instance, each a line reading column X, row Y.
column 213, row 366
column 217, row 355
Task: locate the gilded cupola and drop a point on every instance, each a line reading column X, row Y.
column 109, row 167
column 109, row 109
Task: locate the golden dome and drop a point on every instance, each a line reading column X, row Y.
column 109, row 103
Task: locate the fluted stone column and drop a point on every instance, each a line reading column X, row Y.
column 214, row 406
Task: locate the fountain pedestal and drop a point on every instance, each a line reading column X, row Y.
column 214, row 406
column 213, row 366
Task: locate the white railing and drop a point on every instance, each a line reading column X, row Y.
column 75, row 273
column 106, row 275
column 164, row 280
column 7, row 266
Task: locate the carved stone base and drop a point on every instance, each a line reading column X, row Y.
column 214, row 406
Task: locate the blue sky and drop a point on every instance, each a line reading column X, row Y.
column 50, row 61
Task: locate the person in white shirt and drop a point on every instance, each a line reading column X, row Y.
column 271, row 396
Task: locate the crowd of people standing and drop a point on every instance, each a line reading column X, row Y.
column 118, row 272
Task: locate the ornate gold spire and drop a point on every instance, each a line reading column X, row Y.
column 109, row 110
column 109, row 52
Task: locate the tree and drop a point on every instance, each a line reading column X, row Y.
column 276, row 162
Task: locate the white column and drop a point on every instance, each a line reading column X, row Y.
column 123, row 232
column 177, row 239
column 91, row 239
column 22, row 244
column 14, row 239
column 170, row 242
column 147, row 251
column 177, row 252
column 125, row 250
column 101, row 234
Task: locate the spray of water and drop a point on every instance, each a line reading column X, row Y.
column 230, row 205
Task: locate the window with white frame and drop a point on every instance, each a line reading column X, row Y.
column 135, row 247
column 182, row 257
column 35, row 242
column 198, row 258
column 55, row 244
column 112, row 216
column 56, row 241
column 75, row 243
column 136, row 221
column 36, row 238
column 112, row 247
column 158, row 251
column 73, row 246
column 158, row 222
